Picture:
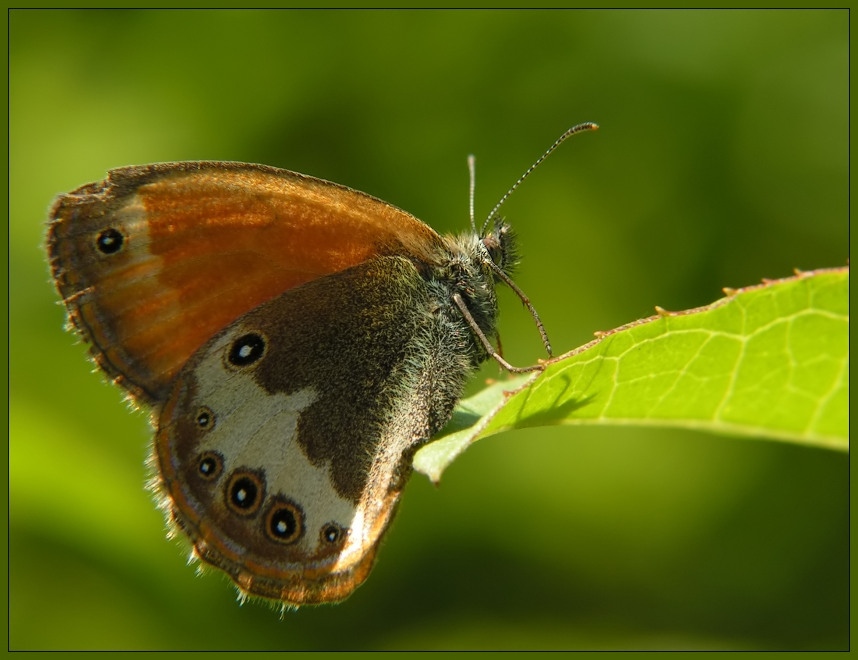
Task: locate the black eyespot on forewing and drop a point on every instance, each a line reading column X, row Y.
column 109, row 241
column 246, row 350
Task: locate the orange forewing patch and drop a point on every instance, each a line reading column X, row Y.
column 204, row 243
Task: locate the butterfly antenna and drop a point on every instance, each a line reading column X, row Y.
column 586, row 126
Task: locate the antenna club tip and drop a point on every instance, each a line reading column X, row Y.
column 578, row 128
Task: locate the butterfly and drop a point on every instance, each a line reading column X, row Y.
column 296, row 340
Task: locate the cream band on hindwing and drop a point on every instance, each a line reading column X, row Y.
column 253, row 435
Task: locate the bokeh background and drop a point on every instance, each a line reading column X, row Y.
column 722, row 159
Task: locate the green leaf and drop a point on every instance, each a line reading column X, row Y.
column 767, row 361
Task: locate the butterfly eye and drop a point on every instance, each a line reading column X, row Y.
column 493, row 246
column 205, row 419
column 209, row 465
column 246, row 350
column 245, row 492
column 109, row 241
column 284, row 522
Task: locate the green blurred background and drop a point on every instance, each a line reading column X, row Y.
column 722, row 159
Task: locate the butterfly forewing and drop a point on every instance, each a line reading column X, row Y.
column 155, row 260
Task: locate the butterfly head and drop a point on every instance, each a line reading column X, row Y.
column 500, row 247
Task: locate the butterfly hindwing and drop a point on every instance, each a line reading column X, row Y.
column 288, row 437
